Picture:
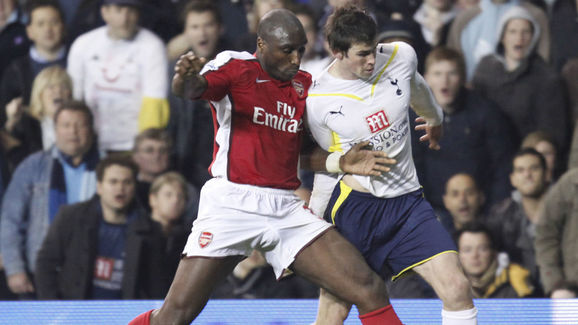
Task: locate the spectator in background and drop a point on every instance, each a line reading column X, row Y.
column 202, row 31
column 513, row 221
column 556, row 233
column 45, row 28
column 43, row 182
column 93, row 249
column 435, row 18
column 191, row 124
column 491, row 276
column 475, row 31
column 29, row 129
column 166, row 236
column 13, row 40
column 527, row 90
column 151, row 153
column 476, row 138
column 463, row 200
column 120, row 70
column 543, row 142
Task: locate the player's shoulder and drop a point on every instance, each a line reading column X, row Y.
column 231, row 60
column 400, row 49
column 303, row 77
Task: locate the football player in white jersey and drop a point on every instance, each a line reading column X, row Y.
column 365, row 95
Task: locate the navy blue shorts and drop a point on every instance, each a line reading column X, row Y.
column 394, row 235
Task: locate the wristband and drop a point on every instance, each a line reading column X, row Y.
column 332, row 162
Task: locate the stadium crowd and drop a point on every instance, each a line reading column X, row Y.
column 101, row 166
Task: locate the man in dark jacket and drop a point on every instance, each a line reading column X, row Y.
column 93, row 249
column 476, row 140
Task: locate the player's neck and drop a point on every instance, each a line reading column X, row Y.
column 340, row 70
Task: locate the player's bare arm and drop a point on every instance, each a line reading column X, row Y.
column 358, row 160
column 187, row 81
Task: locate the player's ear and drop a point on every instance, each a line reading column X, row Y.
column 260, row 43
column 338, row 55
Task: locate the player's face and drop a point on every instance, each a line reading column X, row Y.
column 444, row 79
column 122, row 21
column 517, row 38
column 152, row 157
column 359, row 61
column 462, row 199
column 475, row 253
column 116, row 190
column 281, row 54
column 46, row 28
column 73, row 133
column 169, row 202
column 202, row 32
column 528, row 176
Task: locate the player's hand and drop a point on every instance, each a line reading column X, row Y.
column 187, row 69
column 189, row 65
column 361, row 161
column 433, row 134
column 19, row 283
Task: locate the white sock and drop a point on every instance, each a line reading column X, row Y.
column 460, row 317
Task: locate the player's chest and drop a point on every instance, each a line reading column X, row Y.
column 359, row 117
column 265, row 104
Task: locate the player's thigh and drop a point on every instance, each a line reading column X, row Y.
column 336, row 265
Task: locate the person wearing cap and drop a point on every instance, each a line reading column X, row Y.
column 120, row 71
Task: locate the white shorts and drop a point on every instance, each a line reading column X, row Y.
column 234, row 219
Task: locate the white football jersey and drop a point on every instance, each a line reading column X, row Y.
column 342, row 113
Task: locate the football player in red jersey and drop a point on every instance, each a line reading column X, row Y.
column 258, row 105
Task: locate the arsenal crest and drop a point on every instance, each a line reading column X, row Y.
column 205, row 239
column 298, row 88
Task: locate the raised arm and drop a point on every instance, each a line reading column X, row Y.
column 187, row 81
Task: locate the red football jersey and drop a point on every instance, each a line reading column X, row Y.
column 258, row 121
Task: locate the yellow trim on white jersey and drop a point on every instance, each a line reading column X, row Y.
column 336, row 143
column 383, row 70
column 337, row 94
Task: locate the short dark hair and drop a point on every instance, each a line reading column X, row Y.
column 476, row 228
column 153, row 134
column 75, row 106
column 115, row 160
column 32, row 5
column 348, row 25
column 200, row 6
column 442, row 53
column 532, row 152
